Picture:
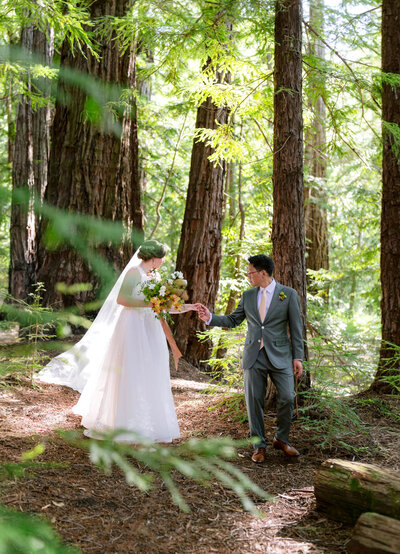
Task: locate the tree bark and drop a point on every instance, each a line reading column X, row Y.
column 387, row 378
column 10, row 124
column 233, row 293
column 288, row 233
column 199, row 252
column 375, row 534
column 288, row 236
column 144, row 89
column 316, row 220
column 29, row 170
column 92, row 170
column 344, row 490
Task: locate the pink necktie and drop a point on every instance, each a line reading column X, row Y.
column 262, row 309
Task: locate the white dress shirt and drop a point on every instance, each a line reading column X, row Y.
column 270, row 292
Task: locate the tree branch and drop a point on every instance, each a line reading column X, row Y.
column 168, row 178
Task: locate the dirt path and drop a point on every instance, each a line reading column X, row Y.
column 101, row 513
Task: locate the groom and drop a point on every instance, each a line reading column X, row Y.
column 270, row 310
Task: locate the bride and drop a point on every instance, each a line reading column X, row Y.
column 121, row 366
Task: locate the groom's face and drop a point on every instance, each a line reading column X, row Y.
column 255, row 277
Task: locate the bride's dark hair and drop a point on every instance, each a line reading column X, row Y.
column 152, row 249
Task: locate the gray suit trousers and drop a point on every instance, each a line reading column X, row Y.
column 255, row 387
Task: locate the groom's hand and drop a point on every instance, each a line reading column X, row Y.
column 297, row 368
column 204, row 313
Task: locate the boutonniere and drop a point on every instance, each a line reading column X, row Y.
column 282, row 296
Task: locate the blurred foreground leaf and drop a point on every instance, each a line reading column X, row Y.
column 203, row 460
column 24, row 534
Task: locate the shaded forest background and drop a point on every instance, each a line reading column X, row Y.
column 223, row 129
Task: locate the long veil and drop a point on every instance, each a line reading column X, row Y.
column 73, row 368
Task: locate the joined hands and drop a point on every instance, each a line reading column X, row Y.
column 204, row 313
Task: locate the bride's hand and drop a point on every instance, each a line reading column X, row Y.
column 189, row 307
column 184, row 308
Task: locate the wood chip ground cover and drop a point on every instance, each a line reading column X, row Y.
column 102, row 514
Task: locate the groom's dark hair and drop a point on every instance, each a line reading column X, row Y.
column 261, row 261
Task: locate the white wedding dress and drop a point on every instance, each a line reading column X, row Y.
column 129, row 388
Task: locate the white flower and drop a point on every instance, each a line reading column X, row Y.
column 179, row 274
column 170, row 281
column 162, row 291
column 151, row 286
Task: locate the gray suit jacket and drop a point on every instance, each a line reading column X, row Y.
column 282, row 315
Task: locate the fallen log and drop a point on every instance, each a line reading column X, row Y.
column 375, row 534
column 344, row 490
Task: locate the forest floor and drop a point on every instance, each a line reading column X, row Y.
column 101, row 513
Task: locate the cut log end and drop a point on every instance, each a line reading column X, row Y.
column 344, row 490
column 375, row 534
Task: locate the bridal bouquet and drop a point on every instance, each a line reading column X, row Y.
column 167, row 294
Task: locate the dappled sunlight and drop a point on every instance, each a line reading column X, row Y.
column 80, row 496
column 27, row 411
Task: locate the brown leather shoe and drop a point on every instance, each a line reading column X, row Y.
column 258, row 456
column 288, row 450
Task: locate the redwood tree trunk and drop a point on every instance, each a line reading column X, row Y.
column 288, row 234
column 316, row 220
column 389, row 363
column 29, row 170
column 199, row 252
column 233, row 294
column 92, row 170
